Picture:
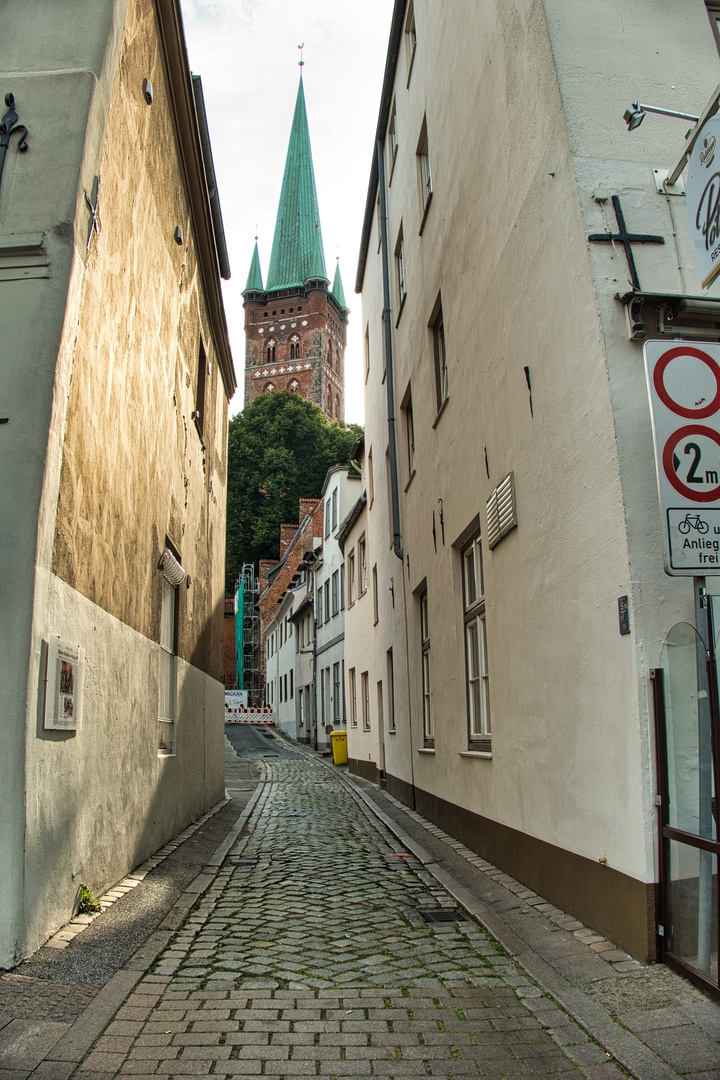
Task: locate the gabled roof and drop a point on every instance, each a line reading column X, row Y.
column 297, row 251
column 254, row 281
column 337, row 290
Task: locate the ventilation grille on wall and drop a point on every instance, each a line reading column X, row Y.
column 501, row 511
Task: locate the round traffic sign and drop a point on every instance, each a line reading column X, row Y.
column 673, row 385
column 691, row 462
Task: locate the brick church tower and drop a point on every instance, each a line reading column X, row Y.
column 295, row 324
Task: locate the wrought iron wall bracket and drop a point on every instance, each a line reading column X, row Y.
column 8, row 127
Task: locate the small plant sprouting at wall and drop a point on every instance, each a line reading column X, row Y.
column 88, row 905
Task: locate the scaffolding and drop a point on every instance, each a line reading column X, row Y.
column 249, row 662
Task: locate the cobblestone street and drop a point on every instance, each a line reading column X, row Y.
column 312, row 954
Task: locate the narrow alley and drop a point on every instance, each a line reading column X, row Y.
column 319, row 939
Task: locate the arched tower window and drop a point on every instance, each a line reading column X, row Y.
column 294, row 386
column 292, row 352
column 329, row 358
column 329, row 402
column 337, row 405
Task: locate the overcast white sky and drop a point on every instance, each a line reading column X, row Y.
column 246, row 52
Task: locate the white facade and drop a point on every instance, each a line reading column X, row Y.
column 340, row 491
column 521, row 715
column 280, row 647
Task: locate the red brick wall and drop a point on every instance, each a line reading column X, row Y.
column 310, row 324
column 229, row 644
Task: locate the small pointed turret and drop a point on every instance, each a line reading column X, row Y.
column 297, row 251
column 337, row 290
column 254, row 281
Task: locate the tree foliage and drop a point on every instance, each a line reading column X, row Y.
column 279, row 451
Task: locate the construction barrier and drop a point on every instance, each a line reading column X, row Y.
column 249, row 714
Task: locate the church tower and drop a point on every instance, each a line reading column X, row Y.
column 295, row 324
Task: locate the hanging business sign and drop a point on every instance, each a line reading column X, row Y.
column 683, row 381
column 703, row 200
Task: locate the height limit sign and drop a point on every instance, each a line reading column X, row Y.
column 684, row 387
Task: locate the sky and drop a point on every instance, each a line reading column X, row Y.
column 246, row 52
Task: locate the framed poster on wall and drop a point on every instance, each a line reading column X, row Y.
column 64, row 685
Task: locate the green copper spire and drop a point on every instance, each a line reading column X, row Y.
column 337, row 289
column 297, row 251
column 254, row 281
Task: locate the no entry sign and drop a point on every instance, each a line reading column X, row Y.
column 684, row 386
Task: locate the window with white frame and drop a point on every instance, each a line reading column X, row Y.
column 342, row 587
column 371, row 479
column 327, row 518
column 410, row 39
column 392, row 138
column 390, row 670
column 437, row 330
column 320, row 606
column 367, row 351
column 362, row 561
column 424, row 171
column 476, row 663
column 400, row 270
column 352, row 694
column 351, row 578
column 336, row 699
column 168, row 651
column 375, row 593
column 335, row 509
column 336, row 592
column 408, row 431
column 365, row 700
column 428, row 728
column 327, row 600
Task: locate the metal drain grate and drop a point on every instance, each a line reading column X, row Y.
column 238, row 860
column 441, row 914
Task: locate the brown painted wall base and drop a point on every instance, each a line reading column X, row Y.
column 616, row 905
column 367, row 769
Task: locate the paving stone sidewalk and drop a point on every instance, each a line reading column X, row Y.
column 306, row 951
column 311, row 955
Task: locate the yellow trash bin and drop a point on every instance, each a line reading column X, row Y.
column 339, row 746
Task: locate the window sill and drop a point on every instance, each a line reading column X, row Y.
column 392, row 731
column 409, row 481
column 400, row 309
column 476, row 753
column 425, row 213
column 426, row 749
column 440, row 411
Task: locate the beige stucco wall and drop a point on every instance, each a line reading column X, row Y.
column 100, row 358
column 504, row 245
column 100, row 800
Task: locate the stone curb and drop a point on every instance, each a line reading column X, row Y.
column 75, row 1043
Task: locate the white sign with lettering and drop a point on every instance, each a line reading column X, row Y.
column 703, row 200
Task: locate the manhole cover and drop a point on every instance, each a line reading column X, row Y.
column 238, row 860
column 268, row 735
column 441, row 914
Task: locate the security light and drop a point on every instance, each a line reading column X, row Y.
column 635, row 115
